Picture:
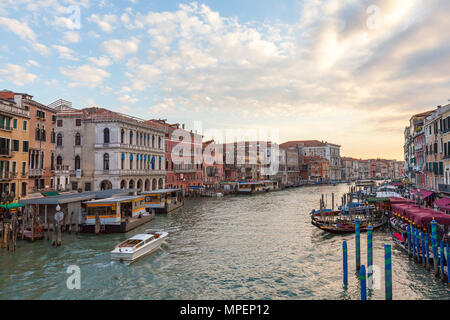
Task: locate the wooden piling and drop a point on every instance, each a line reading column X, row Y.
column 46, row 223
column 97, row 223
column 32, row 226
column 345, row 263
column 441, row 259
column 388, row 271
column 357, row 244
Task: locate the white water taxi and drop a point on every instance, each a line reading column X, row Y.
column 138, row 245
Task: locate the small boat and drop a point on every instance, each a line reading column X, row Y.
column 138, row 245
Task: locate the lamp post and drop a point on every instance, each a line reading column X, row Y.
column 57, row 227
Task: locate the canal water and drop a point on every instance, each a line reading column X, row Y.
column 236, row 247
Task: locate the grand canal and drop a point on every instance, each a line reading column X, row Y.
column 237, row 247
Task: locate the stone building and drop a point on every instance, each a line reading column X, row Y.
column 98, row 149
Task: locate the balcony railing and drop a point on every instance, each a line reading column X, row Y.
column 13, row 109
column 4, row 152
column 36, row 172
column 444, row 188
column 5, row 176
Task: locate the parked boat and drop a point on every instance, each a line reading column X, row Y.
column 251, row 187
column 163, row 200
column 343, row 221
column 138, row 245
column 116, row 214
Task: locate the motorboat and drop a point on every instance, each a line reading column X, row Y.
column 138, row 245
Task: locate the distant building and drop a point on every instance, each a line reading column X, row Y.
column 315, row 148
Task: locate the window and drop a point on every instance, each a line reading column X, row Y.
column 14, row 167
column 122, row 136
column 106, row 161
column 87, row 186
column 53, row 118
column 15, row 123
column 52, row 161
column 25, row 125
column 59, row 123
column 15, row 145
column 77, row 162
column 24, row 166
column 53, row 136
column 77, row 139
column 24, row 189
column 25, row 146
column 58, row 160
column 106, row 135
column 78, row 122
column 59, row 139
column 74, row 185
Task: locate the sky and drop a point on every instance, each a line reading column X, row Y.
column 350, row 72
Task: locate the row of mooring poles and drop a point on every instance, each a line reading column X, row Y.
column 419, row 250
column 366, row 279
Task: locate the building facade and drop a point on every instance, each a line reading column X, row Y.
column 98, row 149
column 14, row 147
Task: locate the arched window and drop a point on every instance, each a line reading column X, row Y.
column 131, row 137
column 106, row 161
column 159, row 142
column 59, row 139
column 59, row 161
column 78, row 139
column 153, row 141
column 122, row 136
column 106, row 135
column 77, row 162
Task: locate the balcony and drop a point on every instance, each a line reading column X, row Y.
column 13, row 109
column 62, row 169
column 5, row 176
column 444, row 188
column 4, row 152
column 36, row 172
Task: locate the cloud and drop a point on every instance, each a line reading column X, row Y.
column 85, row 76
column 106, row 22
column 22, row 30
column 102, row 61
column 17, row 74
column 33, row 63
column 65, row 53
column 72, row 37
column 118, row 49
column 128, row 99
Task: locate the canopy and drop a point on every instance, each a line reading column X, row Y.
column 443, row 203
column 423, row 193
column 378, row 200
column 420, row 216
column 50, row 193
column 12, row 205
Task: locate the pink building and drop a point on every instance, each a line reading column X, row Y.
column 183, row 156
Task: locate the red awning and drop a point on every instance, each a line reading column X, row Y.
column 421, row 216
column 423, row 193
column 443, row 203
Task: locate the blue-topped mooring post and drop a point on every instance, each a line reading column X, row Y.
column 362, row 280
column 417, row 245
column 357, row 243
column 345, row 263
column 388, row 271
column 448, row 266
column 369, row 255
column 441, row 259
column 408, row 231
column 434, row 245
column 427, row 251
column 422, row 247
